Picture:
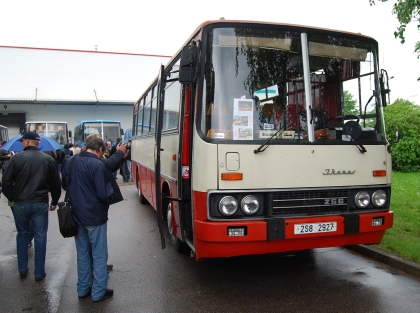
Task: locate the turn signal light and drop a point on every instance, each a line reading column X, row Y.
column 379, row 173
column 232, row 176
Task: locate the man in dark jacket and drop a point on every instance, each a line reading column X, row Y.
column 28, row 178
column 113, row 163
column 89, row 188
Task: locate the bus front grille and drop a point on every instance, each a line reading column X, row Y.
column 309, row 202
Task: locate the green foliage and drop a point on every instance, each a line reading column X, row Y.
column 405, row 116
column 350, row 104
column 403, row 239
column 406, row 12
column 350, row 108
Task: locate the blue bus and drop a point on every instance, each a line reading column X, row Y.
column 127, row 134
column 107, row 129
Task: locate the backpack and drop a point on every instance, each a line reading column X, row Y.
column 65, row 159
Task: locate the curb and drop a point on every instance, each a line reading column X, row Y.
column 409, row 267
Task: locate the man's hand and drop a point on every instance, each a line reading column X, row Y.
column 53, row 207
column 123, row 148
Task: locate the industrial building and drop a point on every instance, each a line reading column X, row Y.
column 38, row 84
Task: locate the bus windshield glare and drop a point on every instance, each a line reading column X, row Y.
column 254, row 87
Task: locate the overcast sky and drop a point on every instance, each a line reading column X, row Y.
column 162, row 26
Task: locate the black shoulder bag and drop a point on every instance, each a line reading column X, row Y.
column 68, row 227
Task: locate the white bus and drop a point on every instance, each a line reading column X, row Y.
column 270, row 138
column 55, row 130
column 4, row 133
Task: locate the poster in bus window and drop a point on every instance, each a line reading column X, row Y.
column 243, row 119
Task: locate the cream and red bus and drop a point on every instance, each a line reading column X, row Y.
column 262, row 138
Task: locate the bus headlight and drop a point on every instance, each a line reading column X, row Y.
column 228, row 205
column 362, row 199
column 379, row 198
column 250, row 204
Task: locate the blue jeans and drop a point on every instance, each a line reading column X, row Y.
column 91, row 244
column 124, row 171
column 37, row 214
column 30, row 228
column 129, row 168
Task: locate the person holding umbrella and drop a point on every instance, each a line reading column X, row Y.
column 28, row 179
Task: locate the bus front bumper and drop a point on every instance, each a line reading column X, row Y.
column 234, row 238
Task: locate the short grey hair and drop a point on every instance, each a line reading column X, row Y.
column 95, row 144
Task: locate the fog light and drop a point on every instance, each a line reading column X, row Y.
column 236, row 231
column 377, row 221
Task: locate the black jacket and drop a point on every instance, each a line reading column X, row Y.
column 29, row 177
column 112, row 164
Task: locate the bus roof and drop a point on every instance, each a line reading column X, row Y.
column 29, row 122
column 222, row 22
column 89, row 121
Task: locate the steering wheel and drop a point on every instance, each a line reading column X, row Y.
column 353, row 129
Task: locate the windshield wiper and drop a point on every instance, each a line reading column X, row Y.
column 266, row 143
column 358, row 144
column 275, row 135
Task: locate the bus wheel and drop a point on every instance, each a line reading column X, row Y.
column 176, row 242
column 142, row 199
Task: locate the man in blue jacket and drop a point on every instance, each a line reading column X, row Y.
column 86, row 179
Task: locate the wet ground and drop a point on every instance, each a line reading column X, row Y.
column 146, row 278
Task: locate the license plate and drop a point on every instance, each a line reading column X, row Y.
column 313, row 228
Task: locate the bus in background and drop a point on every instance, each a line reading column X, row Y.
column 128, row 131
column 127, row 134
column 54, row 130
column 256, row 148
column 107, row 129
column 4, row 133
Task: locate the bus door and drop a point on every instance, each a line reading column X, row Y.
column 158, row 136
column 187, row 77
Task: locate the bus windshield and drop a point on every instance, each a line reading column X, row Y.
column 108, row 130
column 53, row 130
column 254, row 87
column 4, row 133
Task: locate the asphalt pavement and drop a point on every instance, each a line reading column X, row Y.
column 407, row 266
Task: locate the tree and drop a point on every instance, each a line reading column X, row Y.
column 405, row 116
column 406, row 11
column 350, row 104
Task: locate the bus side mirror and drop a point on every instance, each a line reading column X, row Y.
column 397, row 135
column 188, row 64
column 384, row 82
column 69, row 135
column 397, row 138
column 121, row 132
